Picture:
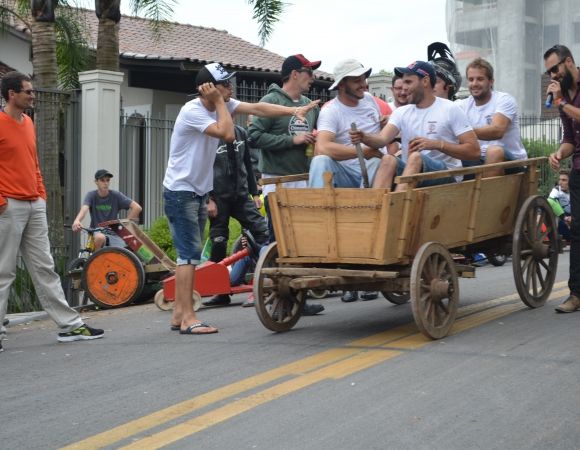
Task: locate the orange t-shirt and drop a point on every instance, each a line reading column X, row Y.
column 20, row 176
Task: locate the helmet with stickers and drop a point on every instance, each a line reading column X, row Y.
column 440, row 56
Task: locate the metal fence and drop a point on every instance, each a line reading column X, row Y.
column 56, row 113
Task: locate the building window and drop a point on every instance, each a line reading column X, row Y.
column 531, row 88
column 551, row 35
column 534, row 8
column 576, row 32
column 533, row 43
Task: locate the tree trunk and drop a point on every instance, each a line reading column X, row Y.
column 108, row 45
column 46, row 121
column 109, row 14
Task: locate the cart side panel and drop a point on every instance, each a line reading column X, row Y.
column 498, row 207
column 329, row 223
column 446, row 211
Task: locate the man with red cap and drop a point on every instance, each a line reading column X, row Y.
column 284, row 140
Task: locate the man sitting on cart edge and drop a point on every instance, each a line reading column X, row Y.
column 435, row 132
column 199, row 126
column 104, row 205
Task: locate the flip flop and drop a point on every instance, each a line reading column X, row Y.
column 189, row 329
column 175, row 327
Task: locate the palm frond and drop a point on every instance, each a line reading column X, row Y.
column 266, row 14
column 72, row 49
column 157, row 11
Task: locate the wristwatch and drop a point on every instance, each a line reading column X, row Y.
column 561, row 105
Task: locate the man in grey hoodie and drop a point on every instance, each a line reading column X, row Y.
column 285, row 141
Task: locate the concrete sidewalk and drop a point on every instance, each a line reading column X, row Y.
column 20, row 318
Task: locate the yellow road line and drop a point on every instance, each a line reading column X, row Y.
column 331, row 364
column 356, row 363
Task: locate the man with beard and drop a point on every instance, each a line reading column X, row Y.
column 435, row 132
column 399, row 97
column 494, row 117
column 334, row 151
column 564, row 87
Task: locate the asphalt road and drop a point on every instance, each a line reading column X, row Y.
column 357, row 376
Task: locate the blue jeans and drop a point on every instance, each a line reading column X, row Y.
column 342, row 175
column 187, row 214
column 242, row 267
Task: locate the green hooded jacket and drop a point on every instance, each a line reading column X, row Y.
column 274, row 136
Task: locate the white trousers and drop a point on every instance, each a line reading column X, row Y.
column 23, row 227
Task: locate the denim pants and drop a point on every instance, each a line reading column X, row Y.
column 23, row 227
column 187, row 214
column 343, row 175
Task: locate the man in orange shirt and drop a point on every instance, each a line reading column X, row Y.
column 23, row 225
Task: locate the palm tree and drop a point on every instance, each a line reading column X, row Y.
column 265, row 12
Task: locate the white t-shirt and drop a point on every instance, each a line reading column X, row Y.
column 192, row 152
column 337, row 117
column 443, row 120
column 480, row 116
column 561, row 197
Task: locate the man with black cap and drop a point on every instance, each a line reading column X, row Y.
column 436, row 134
column 104, row 204
column 285, row 142
column 199, row 127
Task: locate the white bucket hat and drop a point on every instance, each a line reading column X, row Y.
column 348, row 68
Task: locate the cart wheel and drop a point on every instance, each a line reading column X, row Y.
column 318, row 293
column 535, row 251
column 278, row 306
column 113, row 277
column 73, row 287
column 165, row 305
column 160, row 301
column 397, row 297
column 434, row 290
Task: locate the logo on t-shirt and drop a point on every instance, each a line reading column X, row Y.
column 297, row 126
column 488, row 119
column 104, row 208
column 432, row 127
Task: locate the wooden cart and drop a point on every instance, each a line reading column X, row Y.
column 402, row 243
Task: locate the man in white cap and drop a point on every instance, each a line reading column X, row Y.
column 334, row 151
column 200, row 125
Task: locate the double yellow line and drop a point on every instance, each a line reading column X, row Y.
column 331, row 364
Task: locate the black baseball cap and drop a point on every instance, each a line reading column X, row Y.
column 102, row 173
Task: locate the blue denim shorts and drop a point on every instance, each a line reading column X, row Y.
column 429, row 165
column 187, row 214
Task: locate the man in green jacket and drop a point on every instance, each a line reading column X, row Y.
column 285, row 142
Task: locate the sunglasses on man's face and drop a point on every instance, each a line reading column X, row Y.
column 555, row 67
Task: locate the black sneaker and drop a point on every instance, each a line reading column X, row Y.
column 1, row 348
column 82, row 333
column 312, row 310
column 218, row 300
column 349, row 296
column 369, row 295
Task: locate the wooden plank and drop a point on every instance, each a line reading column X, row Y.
column 474, row 206
column 283, row 179
column 318, row 271
column 469, row 170
column 330, row 215
column 415, row 238
column 277, row 223
column 286, row 224
column 381, row 232
column 403, row 236
column 342, row 260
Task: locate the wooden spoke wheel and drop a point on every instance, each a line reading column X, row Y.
column 278, row 306
column 434, row 290
column 164, row 305
column 535, row 251
column 73, row 287
column 113, row 277
column 397, row 297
